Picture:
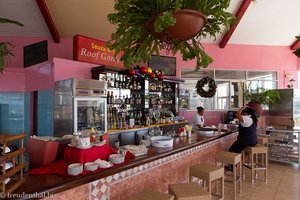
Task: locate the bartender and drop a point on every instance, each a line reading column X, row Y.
column 198, row 119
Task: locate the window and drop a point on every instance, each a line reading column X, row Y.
column 231, row 84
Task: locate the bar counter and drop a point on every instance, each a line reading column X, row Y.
column 157, row 169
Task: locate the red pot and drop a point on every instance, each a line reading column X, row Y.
column 256, row 107
column 188, row 23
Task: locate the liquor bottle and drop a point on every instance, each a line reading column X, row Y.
column 108, row 98
column 112, row 80
column 131, row 120
column 120, row 81
column 132, row 99
column 111, row 97
column 116, row 81
column 127, row 100
column 134, row 85
column 139, row 86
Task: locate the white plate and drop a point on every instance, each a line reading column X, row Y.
column 87, row 147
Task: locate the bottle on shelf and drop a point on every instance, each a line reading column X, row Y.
column 108, row 97
column 131, row 120
column 116, row 80
column 127, row 100
column 112, row 80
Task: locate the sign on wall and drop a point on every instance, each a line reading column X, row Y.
column 94, row 51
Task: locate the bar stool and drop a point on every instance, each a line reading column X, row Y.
column 208, row 173
column 253, row 161
column 263, row 141
column 188, row 191
column 150, row 195
column 234, row 159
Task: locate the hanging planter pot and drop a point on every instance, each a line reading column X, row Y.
column 188, row 24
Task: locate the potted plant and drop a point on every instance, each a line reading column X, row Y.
column 297, row 51
column 260, row 96
column 6, row 47
column 145, row 27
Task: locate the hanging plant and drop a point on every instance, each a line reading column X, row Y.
column 297, row 51
column 206, row 87
column 146, row 27
column 6, row 47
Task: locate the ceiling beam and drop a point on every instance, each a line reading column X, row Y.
column 48, row 19
column 295, row 45
column 240, row 13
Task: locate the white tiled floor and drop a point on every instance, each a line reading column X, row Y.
column 283, row 184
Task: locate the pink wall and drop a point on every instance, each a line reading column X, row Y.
column 12, row 80
column 61, row 50
column 251, row 57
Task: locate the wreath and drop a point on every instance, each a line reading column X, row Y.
column 206, row 81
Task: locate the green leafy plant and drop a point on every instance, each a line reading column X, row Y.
column 6, row 47
column 297, row 51
column 261, row 95
column 134, row 39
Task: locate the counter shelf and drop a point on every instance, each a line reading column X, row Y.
column 284, row 144
column 56, row 184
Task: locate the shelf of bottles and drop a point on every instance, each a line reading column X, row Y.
column 137, row 102
column 161, row 93
column 126, row 102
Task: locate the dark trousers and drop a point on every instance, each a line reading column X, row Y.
column 238, row 146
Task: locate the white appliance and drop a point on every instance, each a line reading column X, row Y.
column 79, row 104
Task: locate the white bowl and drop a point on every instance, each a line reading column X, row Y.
column 75, row 169
column 162, row 141
column 90, row 166
column 116, row 158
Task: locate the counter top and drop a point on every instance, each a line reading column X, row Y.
column 55, row 184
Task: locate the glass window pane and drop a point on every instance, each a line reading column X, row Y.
column 261, row 75
column 230, row 74
column 191, row 73
column 222, row 95
column 237, row 94
column 194, row 98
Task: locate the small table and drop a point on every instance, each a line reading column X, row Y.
column 76, row 155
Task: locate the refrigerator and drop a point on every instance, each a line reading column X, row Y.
column 285, row 113
column 79, row 104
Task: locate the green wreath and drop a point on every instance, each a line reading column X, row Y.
column 212, row 86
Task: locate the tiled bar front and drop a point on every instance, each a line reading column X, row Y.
column 156, row 174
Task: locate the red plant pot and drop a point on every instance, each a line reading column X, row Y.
column 188, row 24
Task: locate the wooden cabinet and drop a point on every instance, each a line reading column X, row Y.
column 16, row 158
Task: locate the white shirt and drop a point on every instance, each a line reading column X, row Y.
column 247, row 121
column 197, row 120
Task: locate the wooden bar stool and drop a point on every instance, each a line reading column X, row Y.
column 234, row 159
column 263, row 141
column 188, row 191
column 208, row 173
column 150, row 195
column 253, row 161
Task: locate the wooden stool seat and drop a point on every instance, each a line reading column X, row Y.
column 233, row 159
column 151, row 195
column 253, row 163
column 188, row 191
column 208, row 173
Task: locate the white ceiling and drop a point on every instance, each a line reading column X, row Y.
column 266, row 22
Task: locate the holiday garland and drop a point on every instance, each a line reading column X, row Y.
column 145, row 72
column 211, row 87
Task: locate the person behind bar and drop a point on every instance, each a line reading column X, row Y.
column 247, row 130
column 198, row 119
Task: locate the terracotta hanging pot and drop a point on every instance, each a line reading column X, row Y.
column 188, row 23
column 256, row 107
